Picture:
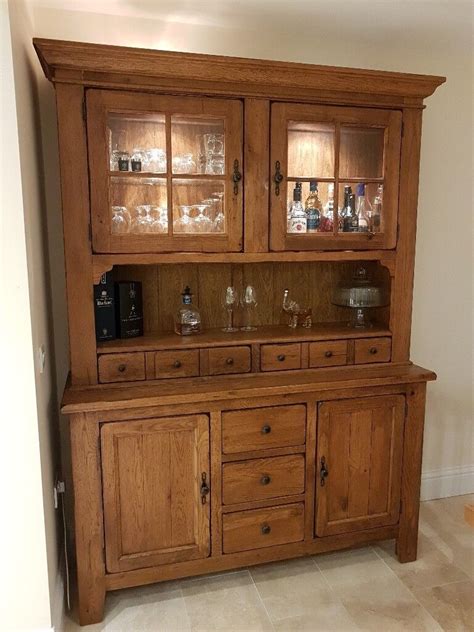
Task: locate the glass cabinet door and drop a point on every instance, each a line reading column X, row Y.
column 335, row 177
column 165, row 173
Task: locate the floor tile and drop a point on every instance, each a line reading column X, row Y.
column 451, row 605
column 227, row 602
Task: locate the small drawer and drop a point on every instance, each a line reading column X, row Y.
column 280, row 357
column 258, row 528
column 371, row 350
column 182, row 363
column 263, row 428
column 121, row 367
column 330, row 353
column 224, row 360
column 260, row 479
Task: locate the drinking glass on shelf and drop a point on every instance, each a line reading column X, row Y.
column 138, row 160
column 156, row 160
column 219, row 219
column 184, row 223
column 184, row 164
column 249, row 303
column 230, row 302
column 160, row 219
column 214, row 143
column 202, row 222
column 121, row 220
column 144, row 222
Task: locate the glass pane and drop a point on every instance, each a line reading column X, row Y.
column 360, row 207
column 138, row 205
column 318, row 212
column 310, row 150
column 361, row 153
column 137, row 142
column 199, row 206
column 198, row 145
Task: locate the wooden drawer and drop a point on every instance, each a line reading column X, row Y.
column 258, row 528
column 330, row 353
column 372, row 350
column 280, row 357
column 263, row 428
column 259, row 479
column 121, row 367
column 224, row 360
column 182, row 363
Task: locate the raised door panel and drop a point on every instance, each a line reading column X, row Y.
column 152, row 474
column 162, row 172
column 359, row 459
column 337, row 147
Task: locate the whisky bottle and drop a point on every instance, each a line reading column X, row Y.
column 351, row 219
column 362, row 209
column 313, row 208
column 327, row 219
column 297, row 222
column 345, row 212
column 188, row 319
column 376, row 212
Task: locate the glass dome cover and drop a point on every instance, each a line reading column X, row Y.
column 360, row 292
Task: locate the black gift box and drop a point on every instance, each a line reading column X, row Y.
column 104, row 308
column 129, row 309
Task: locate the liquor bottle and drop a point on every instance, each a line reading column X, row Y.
column 327, row 219
column 362, row 209
column 351, row 219
column 129, row 309
column 375, row 214
column 313, row 208
column 297, row 222
column 345, row 213
column 104, row 307
column 188, row 318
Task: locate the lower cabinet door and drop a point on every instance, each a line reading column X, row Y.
column 359, row 461
column 156, row 510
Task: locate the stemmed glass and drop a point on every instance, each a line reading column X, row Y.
column 219, row 220
column 184, row 223
column 144, row 222
column 160, row 222
column 202, row 222
column 249, row 303
column 121, row 220
column 229, row 302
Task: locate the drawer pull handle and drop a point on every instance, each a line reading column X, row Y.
column 373, row 350
column 328, row 354
column 265, row 480
column 281, row 357
column 266, row 429
column 122, row 367
column 266, row 529
column 230, row 361
column 177, row 364
column 323, row 472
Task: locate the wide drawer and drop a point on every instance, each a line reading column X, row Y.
column 224, row 360
column 329, row 353
column 371, row 350
column 280, row 357
column 260, row 479
column 179, row 363
column 258, row 528
column 121, row 367
column 263, row 428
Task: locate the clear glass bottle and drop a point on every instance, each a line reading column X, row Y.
column 362, row 211
column 348, row 214
column 296, row 216
column 188, row 319
column 313, row 209
column 327, row 219
column 376, row 211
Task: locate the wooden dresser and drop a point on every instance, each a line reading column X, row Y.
column 195, row 454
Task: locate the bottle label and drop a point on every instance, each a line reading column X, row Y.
column 313, row 220
column 297, row 225
column 186, row 299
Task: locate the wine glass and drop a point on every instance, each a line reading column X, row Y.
column 184, row 223
column 202, row 222
column 219, row 219
column 121, row 220
column 229, row 302
column 249, row 303
column 160, row 222
column 144, row 222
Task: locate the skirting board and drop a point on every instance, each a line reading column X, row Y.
column 449, row 481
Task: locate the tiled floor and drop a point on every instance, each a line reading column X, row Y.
column 363, row 589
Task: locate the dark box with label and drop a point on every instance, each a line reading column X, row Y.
column 129, row 309
column 104, row 308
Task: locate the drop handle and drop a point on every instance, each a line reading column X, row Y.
column 266, row 479
column 278, row 177
column 265, row 529
column 122, row 367
column 204, row 489
column 373, row 350
column 323, row 472
column 281, row 357
column 236, row 177
column 177, row 364
column 266, row 429
column 328, row 354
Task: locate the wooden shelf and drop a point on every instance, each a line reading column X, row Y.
column 218, row 338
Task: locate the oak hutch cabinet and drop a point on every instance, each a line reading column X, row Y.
column 193, row 454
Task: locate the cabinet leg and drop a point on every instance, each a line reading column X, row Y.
column 407, row 541
column 91, row 602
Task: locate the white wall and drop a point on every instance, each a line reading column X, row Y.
column 420, row 37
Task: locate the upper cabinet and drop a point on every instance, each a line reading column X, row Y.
column 165, row 172
column 351, row 157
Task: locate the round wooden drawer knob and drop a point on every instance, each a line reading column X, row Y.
column 266, row 429
column 230, row 361
column 266, row 529
column 177, row 364
column 122, row 367
column 281, row 357
column 373, row 350
column 266, row 480
column 328, row 354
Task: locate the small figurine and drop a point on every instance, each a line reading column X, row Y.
column 298, row 316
